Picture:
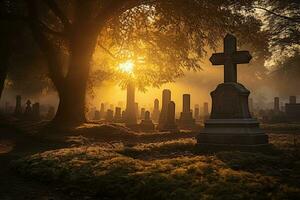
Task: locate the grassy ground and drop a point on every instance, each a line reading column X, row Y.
column 167, row 170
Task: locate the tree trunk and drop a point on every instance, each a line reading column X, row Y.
column 71, row 110
column 3, row 69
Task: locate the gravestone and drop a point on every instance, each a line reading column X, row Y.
column 97, row 115
column 131, row 117
column 146, row 124
column 118, row 115
column 109, row 115
column 36, row 111
column 28, row 110
column 292, row 110
column 166, row 99
column 18, row 108
column 197, row 112
column 155, row 112
column 186, row 120
column 230, row 124
column 170, row 123
column 102, row 111
column 276, row 105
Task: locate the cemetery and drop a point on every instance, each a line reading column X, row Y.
column 150, row 100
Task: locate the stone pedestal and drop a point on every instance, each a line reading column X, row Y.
column 170, row 124
column 186, row 120
column 231, row 124
column 146, row 124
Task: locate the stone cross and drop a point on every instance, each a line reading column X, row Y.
column 230, row 58
column 186, row 107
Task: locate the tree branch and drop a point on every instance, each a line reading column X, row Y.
column 50, row 30
column 294, row 19
column 58, row 13
column 107, row 51
column 45, row 45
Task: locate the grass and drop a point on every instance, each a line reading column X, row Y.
column 169, row 170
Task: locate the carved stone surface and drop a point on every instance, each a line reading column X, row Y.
column 230, row 101
column 230, row 124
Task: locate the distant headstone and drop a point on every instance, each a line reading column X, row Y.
column 170, row 124
column 131, row 116
column 155, row 112
column 97, row 115
column 230, row 124
column 36, row 111
column 166, row 99
column 146, row 124
column 109, row 116
column 102, row 111
column 276, row 105
column 18, row 108
column 197, row 112
column 186, row 120
column 292, row 110
column 118, row 115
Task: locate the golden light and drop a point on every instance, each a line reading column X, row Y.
column 126, row 67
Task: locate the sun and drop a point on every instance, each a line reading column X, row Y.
column 126, row 67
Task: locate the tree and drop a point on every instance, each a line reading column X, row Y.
column 179, row 31
column 283, row 21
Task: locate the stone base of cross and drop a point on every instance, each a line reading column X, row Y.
column 230, row 125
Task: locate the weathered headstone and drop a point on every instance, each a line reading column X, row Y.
column 102, row 111
column 230, row 124
column 186, row 120
column 292, row 110
column 131, row 117
column 166, row 99
column 276, row 105
column 36, row 111
column 109, row 116
column 197, row 112
column 155, row 112
column 97, row 115
column 118, row 115
column 18, row 108
column 170, row 123
column 147, row 124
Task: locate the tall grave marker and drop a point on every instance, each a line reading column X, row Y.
column 230, row 123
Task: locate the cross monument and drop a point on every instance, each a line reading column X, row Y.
column 230, row 58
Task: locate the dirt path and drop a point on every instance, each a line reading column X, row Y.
column 13, row 145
